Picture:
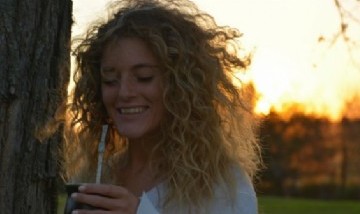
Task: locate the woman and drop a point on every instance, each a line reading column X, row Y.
column 181, row 135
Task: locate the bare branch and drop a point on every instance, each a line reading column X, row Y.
column 348, row 19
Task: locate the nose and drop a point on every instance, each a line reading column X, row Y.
column 126, row 89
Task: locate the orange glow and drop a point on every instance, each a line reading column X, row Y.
column 289, row 65
column 280, row 81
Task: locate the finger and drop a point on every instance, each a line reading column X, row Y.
column 92, row 200
column 122, row 204
column 107, row 190
column 91, row 212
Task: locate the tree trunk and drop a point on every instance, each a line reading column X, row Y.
column 34, row 73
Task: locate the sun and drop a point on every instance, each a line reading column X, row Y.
column 276, row 78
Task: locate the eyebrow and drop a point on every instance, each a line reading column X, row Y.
column 107, row 69
column 142, row 65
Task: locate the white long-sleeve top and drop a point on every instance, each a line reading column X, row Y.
column 244, row 203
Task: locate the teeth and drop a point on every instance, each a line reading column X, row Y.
column 132, row 110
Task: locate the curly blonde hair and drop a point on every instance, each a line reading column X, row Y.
column 210, row 126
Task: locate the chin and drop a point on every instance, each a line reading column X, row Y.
column 130, row 134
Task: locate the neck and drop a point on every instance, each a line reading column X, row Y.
column 137, row 175
column 139, row 156
column 139, row 153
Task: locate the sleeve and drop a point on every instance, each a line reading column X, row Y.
column 145, row 206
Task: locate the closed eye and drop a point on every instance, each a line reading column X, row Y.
column 109, row 82
column 145, row 79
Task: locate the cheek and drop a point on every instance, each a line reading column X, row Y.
column 108, row 95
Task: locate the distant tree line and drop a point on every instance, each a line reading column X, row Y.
column 310, row 156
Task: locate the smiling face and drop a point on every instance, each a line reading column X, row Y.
column 132, row 88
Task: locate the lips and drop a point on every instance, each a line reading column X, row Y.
column 132, row 110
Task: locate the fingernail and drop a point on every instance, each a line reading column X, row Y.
column 74, row 195
column 81, row 188
column 74, row 212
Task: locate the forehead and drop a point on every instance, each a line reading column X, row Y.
column 127, row 50
column 127, row 54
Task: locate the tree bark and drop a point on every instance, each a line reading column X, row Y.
column 34, row 73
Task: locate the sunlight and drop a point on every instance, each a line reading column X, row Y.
column 289, row 65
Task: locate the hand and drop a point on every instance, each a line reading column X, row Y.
column 112, row 199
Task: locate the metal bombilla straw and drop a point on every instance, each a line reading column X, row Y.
column 101, row 149
column 70, row 188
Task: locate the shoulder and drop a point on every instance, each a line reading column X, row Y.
column 241, row 201
column 246, row 200
column 243, row 182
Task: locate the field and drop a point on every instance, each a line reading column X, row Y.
column 276, row 205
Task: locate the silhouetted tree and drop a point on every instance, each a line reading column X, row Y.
column 296, row 150
column 350, row 152
column 34, row 72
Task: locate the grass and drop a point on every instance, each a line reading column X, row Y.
column 278, row 205
column 61, row 203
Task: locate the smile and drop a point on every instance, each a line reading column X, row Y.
column 134, row 110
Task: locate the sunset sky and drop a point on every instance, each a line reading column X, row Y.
column 289, row 64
